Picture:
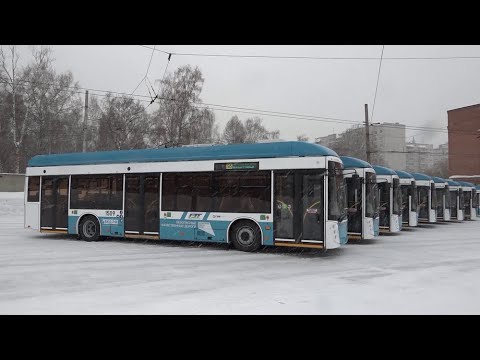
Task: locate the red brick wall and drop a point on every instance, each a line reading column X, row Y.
column 464, row 141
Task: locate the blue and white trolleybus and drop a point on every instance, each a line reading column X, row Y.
column 409, row 198
column 443, row 198
column 277, row 194
column 390, row 199
column 427, row 198
column 362, row 194
column 456, row 200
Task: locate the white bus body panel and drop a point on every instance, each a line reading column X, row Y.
column 413, row 220
column 368, row 232
column 432, row 216
column 332, row 235
column 312, row 162
column 446, row 214
column 32, row 215
column 394, row 225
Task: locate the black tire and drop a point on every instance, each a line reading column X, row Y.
column 89, row 228
column 246, row 236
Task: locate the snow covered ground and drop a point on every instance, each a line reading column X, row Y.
column 431, row 270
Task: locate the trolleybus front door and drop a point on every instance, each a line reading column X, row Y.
column 141, row 204
column 299, row 206
column 54, row 203
column 354, row 203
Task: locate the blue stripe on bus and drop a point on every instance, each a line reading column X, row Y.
column 343, row 232
column 376, row 226
column 198, row 230
column 110, row 226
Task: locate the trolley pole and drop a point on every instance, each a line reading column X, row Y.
column 85, row 119
column 367, row 134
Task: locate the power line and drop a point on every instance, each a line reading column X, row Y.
column 146, row 73
column 58, row 86
column 245, row 110
column 376, row 87
column 161, row 81
column 314, row 57
column 273, row 113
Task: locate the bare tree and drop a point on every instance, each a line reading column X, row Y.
column 123, row 124
column 178, row 120
column 9, row 77
column 302, row 137
column 255, row 131
column 234, row 132
column 352, row 143
column 55, row 107
column 439, row 168
column 95, row 113
column 202, row 129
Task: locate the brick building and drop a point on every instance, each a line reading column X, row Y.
column 464, row 141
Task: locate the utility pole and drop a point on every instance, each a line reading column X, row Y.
column 367, row 134
column 85, row 119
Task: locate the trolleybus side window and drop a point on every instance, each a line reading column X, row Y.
column 284, row 206
column 423, row 192
column 433, row 204
column 414, row 196
column 371, row 194
column 33, row 189
column 337, row 201
column 447, row 198
column 203, row 192
column 238, row 191
column 397, row 197
column 97, row 192
column 184, row 192
column 405, row 191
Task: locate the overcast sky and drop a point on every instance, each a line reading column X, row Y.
column 412, row 92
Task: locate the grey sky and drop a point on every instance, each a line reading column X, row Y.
column 413, row 92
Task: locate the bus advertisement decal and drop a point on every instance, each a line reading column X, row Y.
column 207, row 227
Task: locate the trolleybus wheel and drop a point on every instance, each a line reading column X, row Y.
column 89, row 228
column 245, row 235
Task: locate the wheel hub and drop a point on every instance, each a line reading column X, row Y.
column 245, row 236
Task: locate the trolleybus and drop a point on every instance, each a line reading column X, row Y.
column 427, row 199
column 409, row 198
column 390, row 212
column 443, row 198
column 363, row 221
column 456, row 200
column 469, row 192
column 477, row 188
column 278, row 194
